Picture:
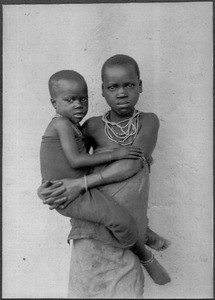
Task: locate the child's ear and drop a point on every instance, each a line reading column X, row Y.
column 102, row 90
column 53, row 102
column 140, row 86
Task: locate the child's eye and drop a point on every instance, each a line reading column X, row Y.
column 84, row 100
column 111, row 88
column 130, row 85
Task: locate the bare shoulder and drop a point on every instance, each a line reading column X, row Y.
column 149, row 121
column 57, row 126
column 62, row 125
column 59, row 123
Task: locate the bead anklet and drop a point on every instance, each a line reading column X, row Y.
column 149, row 261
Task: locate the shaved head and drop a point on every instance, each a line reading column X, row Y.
column 69, row 75
column 120, row 59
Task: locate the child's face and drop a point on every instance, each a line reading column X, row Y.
column 121, row 88
column 71, row 99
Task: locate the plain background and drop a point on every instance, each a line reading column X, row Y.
column 172, row 43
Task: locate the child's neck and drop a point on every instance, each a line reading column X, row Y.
column 57, row 115
column 121, row 130
column 114, row 117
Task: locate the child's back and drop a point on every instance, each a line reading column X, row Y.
column 54, row 164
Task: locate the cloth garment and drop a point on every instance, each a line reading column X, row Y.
column 101, row 267
column 53, row 162
column 131, row 194
column 102, row 271
column 118, row 273
column 92, row 205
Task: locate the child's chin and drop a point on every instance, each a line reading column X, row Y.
column 124, row 111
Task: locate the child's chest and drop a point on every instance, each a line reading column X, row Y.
column 104, row 136
column 100, row 138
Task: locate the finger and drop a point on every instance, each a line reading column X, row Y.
column 53, row 200
column 49, row 201
column 46, row 184
column 60, row 201
column 55, row 193
column 137, row 154
column 64, row 205
column 58, row 192
column 54, row 206
column 56, row 184
column 138, row 150
column 46, row 193
column 56, row 181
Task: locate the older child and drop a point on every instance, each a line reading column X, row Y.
column 122, row 125
column 63, row 154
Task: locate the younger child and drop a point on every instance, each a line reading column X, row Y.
column 63, row 155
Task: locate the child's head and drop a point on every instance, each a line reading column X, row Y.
column 121, row 84
column 69, row 96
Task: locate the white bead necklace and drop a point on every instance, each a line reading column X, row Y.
column 121, row 133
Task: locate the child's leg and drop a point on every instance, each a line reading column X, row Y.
column 100, row 208
column 150, row 263
column 156, row 241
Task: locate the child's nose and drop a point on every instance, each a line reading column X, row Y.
column 78, row 103
column 121, row 92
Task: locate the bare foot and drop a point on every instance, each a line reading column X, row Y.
column 156, row 271
column 156, row 241
column 152, row 266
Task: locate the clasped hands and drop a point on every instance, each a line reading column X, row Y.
column 59, row 193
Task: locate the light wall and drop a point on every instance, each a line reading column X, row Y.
column 172, row 43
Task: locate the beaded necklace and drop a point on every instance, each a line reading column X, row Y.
column 119, row 133
column 77, row 130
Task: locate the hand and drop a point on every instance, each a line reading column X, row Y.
column 42, row 188
column 131, row 152
column 50, row 189
column 62, row 192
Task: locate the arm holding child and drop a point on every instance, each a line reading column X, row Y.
column 66, row 132
column 68, row 189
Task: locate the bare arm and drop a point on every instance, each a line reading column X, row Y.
column 147, row 137
column 121, row 170
column 59, row 197
column 116, row 172
column 61, row 193
column 79, row 160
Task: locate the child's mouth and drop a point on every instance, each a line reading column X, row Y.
column 79, row 115
column 123, row 105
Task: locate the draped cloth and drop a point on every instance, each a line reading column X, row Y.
column 92, row 205
column 100, row 267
